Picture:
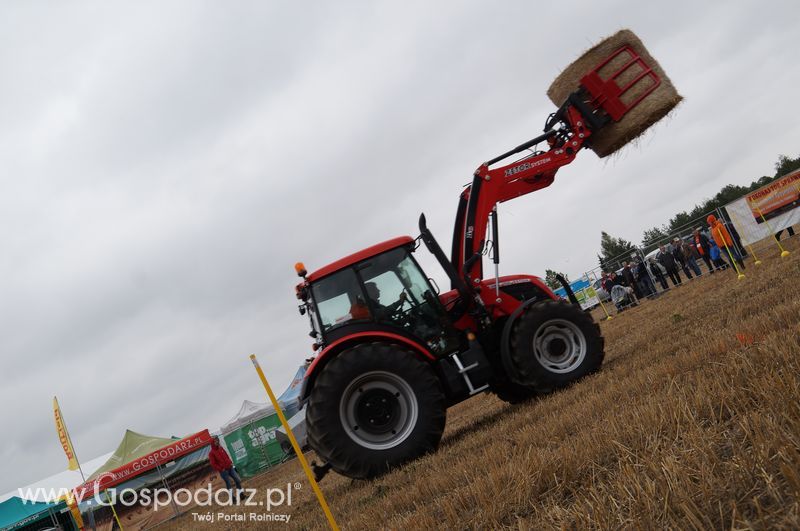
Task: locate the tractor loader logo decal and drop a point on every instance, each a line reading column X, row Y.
column 526, row 166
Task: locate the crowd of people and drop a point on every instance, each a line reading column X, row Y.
column 718, row 247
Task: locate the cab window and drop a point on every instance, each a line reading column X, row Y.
column 400, row 295
column 340, row 299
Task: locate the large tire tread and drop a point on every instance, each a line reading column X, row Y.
column 526, row 325
column 326, row 434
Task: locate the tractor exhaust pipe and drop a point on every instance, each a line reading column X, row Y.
column 467, row 293
column 568, row 289
column 436, row 250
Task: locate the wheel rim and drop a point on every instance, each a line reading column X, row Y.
column 559, row 346
column 378, row 410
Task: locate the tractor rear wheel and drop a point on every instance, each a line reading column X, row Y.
column 373, row 407
column 555, row 343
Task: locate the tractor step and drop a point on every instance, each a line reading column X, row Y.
column 463, row 370
column 464, row 374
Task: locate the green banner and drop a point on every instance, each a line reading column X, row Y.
column 587, row 297
column 253, row 447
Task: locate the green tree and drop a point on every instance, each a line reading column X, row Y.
column 613, row 251
column 680, row 220
column 730, row 192
column 786, row 165
column 651, row 238
column 551, row 280
column 762, row 181
column 683, row 222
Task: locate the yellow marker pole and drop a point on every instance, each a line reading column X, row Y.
column 297, row 450
column 784, row 252
column 735, row 266
column 736, row 218
column 603, row 306
column 116, row 517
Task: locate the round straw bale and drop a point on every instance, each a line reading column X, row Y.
column 651, row 109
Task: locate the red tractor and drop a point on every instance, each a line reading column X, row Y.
column 394, row 353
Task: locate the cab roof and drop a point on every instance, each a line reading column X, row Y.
column 349, row 260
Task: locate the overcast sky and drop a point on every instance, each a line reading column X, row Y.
column 164, row 164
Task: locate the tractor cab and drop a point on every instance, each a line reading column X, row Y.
column 380, row 288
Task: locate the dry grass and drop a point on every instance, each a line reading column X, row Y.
column 687, row 426
column 650, row 110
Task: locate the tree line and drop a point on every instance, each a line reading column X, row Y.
column 612, row 247
column 613, row 250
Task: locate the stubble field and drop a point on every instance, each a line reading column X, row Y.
column 693, row 423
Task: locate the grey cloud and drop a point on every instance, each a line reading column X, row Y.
column 164, row 166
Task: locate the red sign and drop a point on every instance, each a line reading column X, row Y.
column 142, row 464
column 775, row 198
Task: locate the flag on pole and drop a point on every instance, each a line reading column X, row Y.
column 63, row 436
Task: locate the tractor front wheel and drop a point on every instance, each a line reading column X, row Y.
column 555, row 343
column 373, row 407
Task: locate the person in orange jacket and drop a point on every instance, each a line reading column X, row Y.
column 723, row 238
column 359, row 309
column 703, row 248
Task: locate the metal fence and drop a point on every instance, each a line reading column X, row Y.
column 751, row 234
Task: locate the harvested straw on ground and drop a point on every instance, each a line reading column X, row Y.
column 651, row 109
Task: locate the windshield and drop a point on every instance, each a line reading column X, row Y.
column 388, row 289
column 393, row 281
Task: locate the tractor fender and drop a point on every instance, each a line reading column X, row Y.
column 505, row 340
column 340, row 344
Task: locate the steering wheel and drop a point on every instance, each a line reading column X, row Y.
column 399, row 311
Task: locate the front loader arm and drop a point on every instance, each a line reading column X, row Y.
column 491, row 186
column 603, row 97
